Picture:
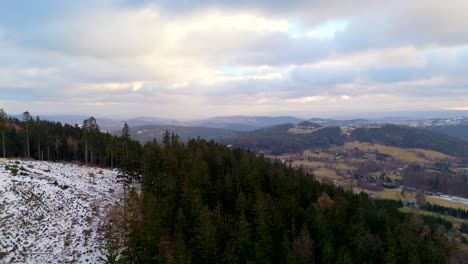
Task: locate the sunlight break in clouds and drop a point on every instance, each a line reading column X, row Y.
column 192, row 60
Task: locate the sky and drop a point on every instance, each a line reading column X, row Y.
column 195, row 59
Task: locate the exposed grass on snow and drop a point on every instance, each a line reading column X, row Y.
column 50, row 212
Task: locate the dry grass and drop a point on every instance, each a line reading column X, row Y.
column 408, row 155
column 341, row 166
column 433, row 155
column 308, row 164
column 395, row 194
column 326, row 173
column 439, row 201
column 303, row 130
column 313, row 154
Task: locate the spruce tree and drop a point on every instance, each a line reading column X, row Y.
column 27, row 120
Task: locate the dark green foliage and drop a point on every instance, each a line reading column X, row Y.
column 464, row 228
column 459, row 131
column 460, row 213
column 206, row 203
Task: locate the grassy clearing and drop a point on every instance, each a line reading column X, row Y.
column 395, row 194
column 393, row 177
column 439, row 201
column 432, row 155
column 408, row 155
column 308, row 164
column 326, row 173
column 301, row 130
column 341, row 166
column 313, row 154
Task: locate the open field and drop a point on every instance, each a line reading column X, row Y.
column 308, row 164
column 408, row 155
column 302, row 130
column 446, row 203
column 315, row 154
column 325, row 173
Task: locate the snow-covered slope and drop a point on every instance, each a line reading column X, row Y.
column 50, row 212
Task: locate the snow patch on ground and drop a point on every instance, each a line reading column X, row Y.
column 50, row 212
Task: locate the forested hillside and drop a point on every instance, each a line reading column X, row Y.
column 459, row 131
column 278, row 139
column 408, row 137
column 202, row 202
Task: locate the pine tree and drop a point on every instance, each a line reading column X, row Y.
column 27, row 120
column 90, row 131
column 203, row 242
column 125, row 141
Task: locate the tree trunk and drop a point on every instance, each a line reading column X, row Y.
column 3, row 143
column 112, row 160
column 48, row 152
column 76, row 150
column 56, row 149
column 27, row 140
column 86, row 153
column 38, row 147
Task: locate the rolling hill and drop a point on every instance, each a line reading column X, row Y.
column 243, row 123
column 279, row 139
column 408, row 137
column 459, row 131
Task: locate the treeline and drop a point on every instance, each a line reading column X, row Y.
column 459, row 213
column 408, row 137
column 429, row 179
column 202, row 202
column 45, row 140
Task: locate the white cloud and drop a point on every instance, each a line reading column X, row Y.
column 229, row 58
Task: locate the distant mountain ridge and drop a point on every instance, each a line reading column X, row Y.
column 279, row 139
column 243, row 123
column 240, row 123
column 150, row 132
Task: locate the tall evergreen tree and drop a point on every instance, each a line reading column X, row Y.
column 125, row 141
column 27, row 120
column 90, row 131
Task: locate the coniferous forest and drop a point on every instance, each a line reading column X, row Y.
column 202, row 202
column 31, row 137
